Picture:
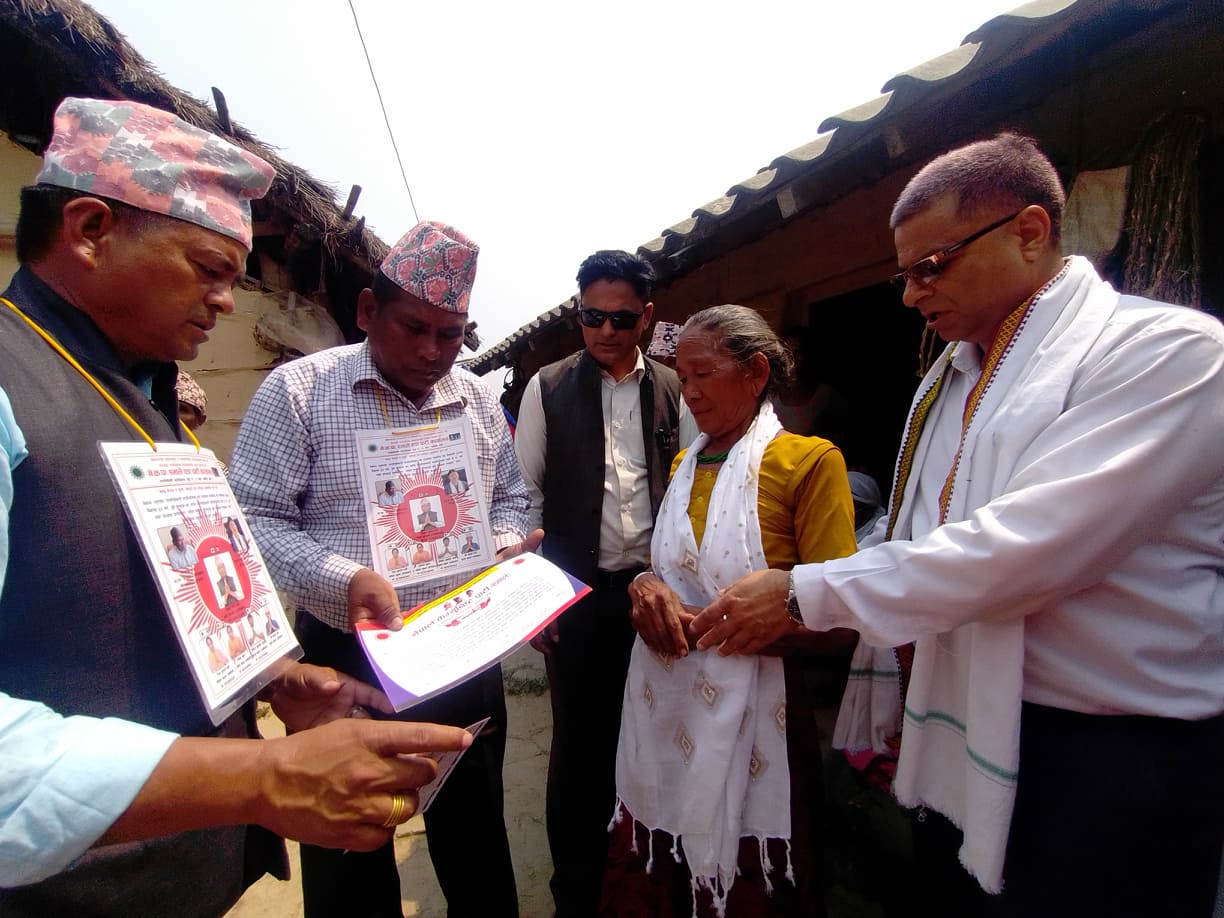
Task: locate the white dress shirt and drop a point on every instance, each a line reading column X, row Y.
column 1109, row 540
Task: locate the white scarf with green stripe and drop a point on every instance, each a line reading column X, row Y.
column 960, row 747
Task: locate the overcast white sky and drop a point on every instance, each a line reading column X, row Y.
column 544, row 130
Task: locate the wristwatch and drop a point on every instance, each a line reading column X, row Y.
column 792, row 601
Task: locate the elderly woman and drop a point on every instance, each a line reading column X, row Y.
column 709, row 820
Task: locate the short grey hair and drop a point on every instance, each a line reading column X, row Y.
column 1006, row 171
column 744, row 333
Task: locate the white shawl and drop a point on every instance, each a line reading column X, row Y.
column 870, row 712
column 702, row 751
column 961, row 744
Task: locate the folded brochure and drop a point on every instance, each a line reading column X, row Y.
column 450, row 639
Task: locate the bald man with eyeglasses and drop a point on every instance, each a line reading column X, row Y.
column 597, row 432
column 1052, row 558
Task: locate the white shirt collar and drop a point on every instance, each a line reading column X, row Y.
column 639, row 369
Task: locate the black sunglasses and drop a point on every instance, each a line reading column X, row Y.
column 929, row 268
column 595, row 318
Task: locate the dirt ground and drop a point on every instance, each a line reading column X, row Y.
column 867, row 849
column 858, row 824
column 525, row 771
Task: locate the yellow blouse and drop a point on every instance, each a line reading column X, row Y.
column 803, row 501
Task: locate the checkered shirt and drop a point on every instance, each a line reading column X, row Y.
column 296, row 474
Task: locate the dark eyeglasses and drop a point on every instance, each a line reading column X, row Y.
column 595, row 318
column 929, row 268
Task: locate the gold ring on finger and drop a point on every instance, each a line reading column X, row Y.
column 399, row 811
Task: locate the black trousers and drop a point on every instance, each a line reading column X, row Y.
column 1115, row 816
column 465, row 826
column 586, row 679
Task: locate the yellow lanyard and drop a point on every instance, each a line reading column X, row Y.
column 72, row 361
column 400, row 433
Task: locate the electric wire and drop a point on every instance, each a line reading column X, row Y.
column 386, row 119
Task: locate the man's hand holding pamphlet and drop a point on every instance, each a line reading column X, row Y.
column 448, row 640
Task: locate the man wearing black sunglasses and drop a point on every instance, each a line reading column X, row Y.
column 1054, row 552
column 596, row 435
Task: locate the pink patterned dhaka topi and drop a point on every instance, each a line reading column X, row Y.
column 156, row 161
column 435, row 263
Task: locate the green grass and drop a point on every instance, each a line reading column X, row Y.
column 525, row 681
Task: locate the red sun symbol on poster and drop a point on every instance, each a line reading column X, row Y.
column 219, row 586
column 428, row 511
column 223, row 581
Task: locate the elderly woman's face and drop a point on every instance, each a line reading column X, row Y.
column 721, row 394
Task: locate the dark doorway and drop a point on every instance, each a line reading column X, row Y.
column 864, row 345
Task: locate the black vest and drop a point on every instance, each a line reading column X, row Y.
column 574, row 454
column 82, row 626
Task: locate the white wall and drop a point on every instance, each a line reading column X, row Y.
column 18, row 166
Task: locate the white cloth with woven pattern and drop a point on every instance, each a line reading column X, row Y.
column 702, row 751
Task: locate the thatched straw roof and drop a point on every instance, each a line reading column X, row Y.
column 54, row 48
